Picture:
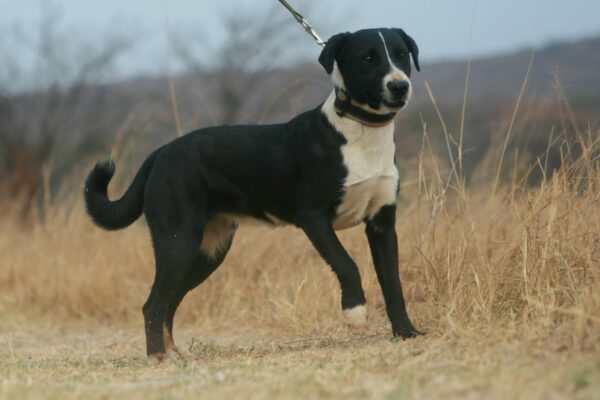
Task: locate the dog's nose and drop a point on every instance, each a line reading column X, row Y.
column 398, row 87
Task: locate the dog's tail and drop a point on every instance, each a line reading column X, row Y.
column 118, row 214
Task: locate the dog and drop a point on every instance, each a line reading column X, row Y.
column 327, row 169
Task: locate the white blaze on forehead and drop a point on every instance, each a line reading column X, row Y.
column 387, row 53
column 395, row 72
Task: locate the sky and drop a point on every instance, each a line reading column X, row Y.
column 443, row 29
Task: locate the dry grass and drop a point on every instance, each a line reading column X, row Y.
column 505, row 282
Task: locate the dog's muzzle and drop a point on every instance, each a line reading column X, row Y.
column 398, row 92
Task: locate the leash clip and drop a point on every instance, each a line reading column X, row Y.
column 308, row 28
column 302, row 21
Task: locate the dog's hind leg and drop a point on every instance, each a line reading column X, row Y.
column 175, row 247
column 217, row 239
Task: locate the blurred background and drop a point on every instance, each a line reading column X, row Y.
column 79, row 80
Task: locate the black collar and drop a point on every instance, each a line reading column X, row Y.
column 345, row 106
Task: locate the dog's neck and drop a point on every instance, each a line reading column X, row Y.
column 346, row 106
column 350, row 128
column 368, row 151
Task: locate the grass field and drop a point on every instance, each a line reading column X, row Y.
column 504, row 279
column 66, row 363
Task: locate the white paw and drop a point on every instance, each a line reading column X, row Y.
column 356, row 316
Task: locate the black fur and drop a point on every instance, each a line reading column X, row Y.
column 113, row 215
column 330, row 53
column 292, row 172
column 381, row 234
column 412, row 46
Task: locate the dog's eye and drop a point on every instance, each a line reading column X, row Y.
column 368, row 59
column 400, row 54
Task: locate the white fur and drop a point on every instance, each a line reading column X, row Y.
column 394, row 74
column 336, row 76
column 356, row 316
column 363, row 200
column 372, row 174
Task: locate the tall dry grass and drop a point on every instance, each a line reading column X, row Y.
column 506, row 260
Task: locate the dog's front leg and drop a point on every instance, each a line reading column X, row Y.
column 381, row 232
column 318, row 227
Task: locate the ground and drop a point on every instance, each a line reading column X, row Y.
column 75, row 362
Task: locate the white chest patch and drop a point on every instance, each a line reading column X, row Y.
column 364, row 199
column 372, row 180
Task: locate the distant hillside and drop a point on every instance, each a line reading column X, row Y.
column 577, row 64
column 492, row 79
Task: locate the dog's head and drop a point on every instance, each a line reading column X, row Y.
column 373, row 65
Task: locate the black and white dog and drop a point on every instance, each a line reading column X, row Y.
column 327, row 169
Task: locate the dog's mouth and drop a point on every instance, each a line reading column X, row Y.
column 394, row 104
column 375, row 101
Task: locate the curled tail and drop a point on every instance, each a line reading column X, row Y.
column 118, row 214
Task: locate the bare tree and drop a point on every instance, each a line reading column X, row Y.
column 256, row 42
column 47, row 95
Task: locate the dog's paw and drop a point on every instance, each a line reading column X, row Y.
column 156, row 359
column 356, row 317
column 173, row 356
column 407, row 333
column 179, row 353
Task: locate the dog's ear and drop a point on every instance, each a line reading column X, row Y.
column 332, row 49
column 412, row 46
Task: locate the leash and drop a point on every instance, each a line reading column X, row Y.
column 302, row 21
